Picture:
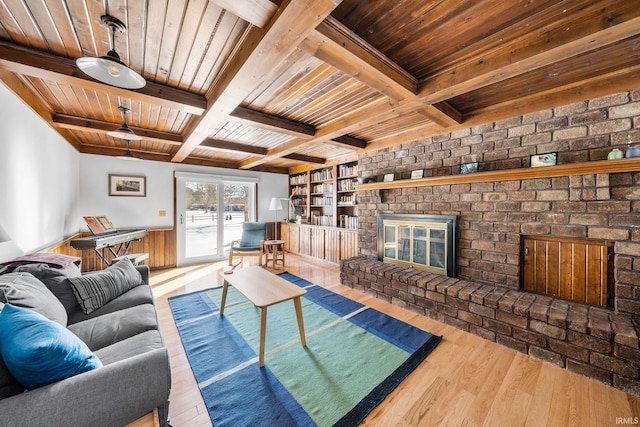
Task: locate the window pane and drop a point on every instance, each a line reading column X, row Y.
column 404, row 243
column 390, row 242
column 420, row 245
column 437, row 248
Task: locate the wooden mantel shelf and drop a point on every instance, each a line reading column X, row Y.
column 586, row 168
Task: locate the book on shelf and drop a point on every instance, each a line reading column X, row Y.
column 322, row 201
column 324, row 220
column 298, row 179
column 348, row 221
column 347, row 170
column 326, row 187
column 347, row 200
column 322, row 175
column 346, row 185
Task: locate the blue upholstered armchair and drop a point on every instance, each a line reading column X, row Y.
column 250, row 243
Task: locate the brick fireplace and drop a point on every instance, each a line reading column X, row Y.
column 486, row 297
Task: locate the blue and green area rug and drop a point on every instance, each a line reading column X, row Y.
column 355, row 356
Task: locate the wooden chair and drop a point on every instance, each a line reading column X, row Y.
column 251, row 242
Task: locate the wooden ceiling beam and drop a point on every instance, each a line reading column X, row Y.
column 441, row 113
column 260, row 53
column 64, row 121
column 257, row 151
column 102, row 150
column 219, row 144
column 338, row 46
column 45, row 66
column 349, row 141
column 306, row 159
column 289, row 127
column 271, row 122
column 255, row 12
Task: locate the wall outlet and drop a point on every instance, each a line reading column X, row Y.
column 162, row 213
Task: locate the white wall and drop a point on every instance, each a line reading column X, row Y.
column 132, row 212
column 38, row 181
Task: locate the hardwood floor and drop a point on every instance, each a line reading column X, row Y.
column 466, row 381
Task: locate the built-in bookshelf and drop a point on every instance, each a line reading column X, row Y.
column 322, row 198
column 347, row 206
column 299, row 192
column 326, row 196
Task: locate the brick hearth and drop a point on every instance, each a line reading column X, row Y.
column 591, row 341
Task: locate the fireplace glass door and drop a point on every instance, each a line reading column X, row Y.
column 422, row 246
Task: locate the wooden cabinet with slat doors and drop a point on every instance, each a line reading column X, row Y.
column 325, row 243
column 340, row 244
column 578, row 270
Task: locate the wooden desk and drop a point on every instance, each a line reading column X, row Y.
column 263, row 289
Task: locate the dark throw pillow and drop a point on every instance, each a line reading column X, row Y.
column 56, row 280
column 93, row 290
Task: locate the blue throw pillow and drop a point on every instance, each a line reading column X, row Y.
column 38, row 351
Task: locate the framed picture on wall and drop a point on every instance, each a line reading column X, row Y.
column 127, row 185
column 548, row 159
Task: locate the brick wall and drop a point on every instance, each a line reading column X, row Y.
column 492, row 216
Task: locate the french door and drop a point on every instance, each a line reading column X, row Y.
column 210, row 210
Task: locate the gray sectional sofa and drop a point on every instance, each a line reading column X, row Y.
column 111, row 312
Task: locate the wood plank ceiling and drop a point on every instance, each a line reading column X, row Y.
column 281, row 85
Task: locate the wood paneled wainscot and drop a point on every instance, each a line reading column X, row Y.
column 159, row 243
column 326, row 243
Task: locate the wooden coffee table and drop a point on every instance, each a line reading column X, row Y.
column 263, row 289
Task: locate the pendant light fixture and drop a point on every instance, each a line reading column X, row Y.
column 109, row 68
column 128, row 155
column 124, row 131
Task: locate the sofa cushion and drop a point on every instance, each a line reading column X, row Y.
column 24, row 290
column 133, row 346
column 110, row 328
column 136, row 296
column 93, row 290
column 56, row 280
column 38, row 351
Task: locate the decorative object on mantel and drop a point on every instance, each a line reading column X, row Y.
column 363, row 180
column 632, row 151
column 469, row 167
column 110, row 69
column 388, row 177
column 418, row 173
column 547, row 159
column 616, row 154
